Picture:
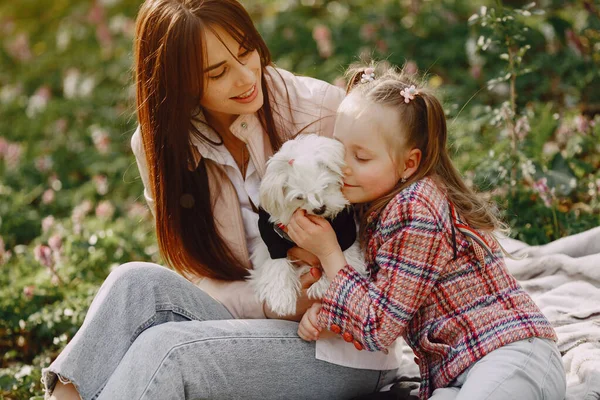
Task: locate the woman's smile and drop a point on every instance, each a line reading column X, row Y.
column 248, row 96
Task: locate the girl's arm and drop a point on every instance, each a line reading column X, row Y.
column 408, row 264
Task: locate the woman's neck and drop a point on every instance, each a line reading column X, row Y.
column 220, row 122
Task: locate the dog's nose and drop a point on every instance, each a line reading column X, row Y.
column 320, row 210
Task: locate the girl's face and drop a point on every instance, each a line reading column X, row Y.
column 370, row 171
column 232, row 78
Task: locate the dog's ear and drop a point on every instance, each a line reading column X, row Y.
column 272, row 195
column 334, row 160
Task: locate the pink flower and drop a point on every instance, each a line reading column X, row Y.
column 137, row 210
column 321, row 32
column 55, row 242
column 19, row 48
column 322, row 36
column 43, row 254
column 96, row 13
column 81, row 210
column 411, row 67
column 105, row 210
column 101, row 139
column 522, row 127
column 475, row 71
column 48, row 196
column 3, row 147
column 582, row 124
column 47, row 223
column 101, row 183
column 28, row 291
column 103, row 35
column 12, row 155
column 541, row 187
column 39, row 101
column 43, row 164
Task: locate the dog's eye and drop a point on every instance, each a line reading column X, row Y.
column 300, row 197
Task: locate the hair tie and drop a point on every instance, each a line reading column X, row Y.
column 368, row 75
column 409, row 93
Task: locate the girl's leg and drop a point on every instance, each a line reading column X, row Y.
column 529, row 369
column 234, row 359
column 134, row 297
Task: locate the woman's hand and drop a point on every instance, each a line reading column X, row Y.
column 308, row 329
column 303, row 303
column 313, row 234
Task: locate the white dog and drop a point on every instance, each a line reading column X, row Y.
column 306, row 173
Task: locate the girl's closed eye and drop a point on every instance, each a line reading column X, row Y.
column 361, row 157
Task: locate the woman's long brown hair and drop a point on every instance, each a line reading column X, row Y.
column 169, row 63
column 422, row 125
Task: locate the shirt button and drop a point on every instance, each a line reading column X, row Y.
column 358, row 346
column 335, row 328
column 244, row 125
column 347, row 337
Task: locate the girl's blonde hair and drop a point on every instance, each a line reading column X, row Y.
column 422, row 125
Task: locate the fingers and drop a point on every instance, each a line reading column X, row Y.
column 308, row 333
column 306, row 329
column 304, row 256
column 308, row 279
column 301, row 219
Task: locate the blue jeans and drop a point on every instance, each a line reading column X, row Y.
column 151, row 334
column 530, row 369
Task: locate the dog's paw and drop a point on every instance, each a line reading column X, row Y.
column 282, row 302
column 317, row 290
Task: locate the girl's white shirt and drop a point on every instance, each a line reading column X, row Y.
column 312, row 100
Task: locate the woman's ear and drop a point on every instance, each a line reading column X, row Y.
column 411, row 163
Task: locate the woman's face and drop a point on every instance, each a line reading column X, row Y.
column 232, row 77
column 370, row 170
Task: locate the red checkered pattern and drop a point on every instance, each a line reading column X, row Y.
column 451, row 308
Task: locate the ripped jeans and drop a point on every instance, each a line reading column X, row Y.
column 151, row 334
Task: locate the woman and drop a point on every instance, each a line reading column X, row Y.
column 211, row 109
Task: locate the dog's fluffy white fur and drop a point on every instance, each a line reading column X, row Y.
column 313, row 182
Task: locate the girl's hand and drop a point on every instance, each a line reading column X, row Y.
column 313, row 234
column 308, row 329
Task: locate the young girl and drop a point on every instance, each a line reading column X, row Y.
column 437, row 275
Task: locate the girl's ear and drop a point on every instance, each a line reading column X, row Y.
column 411, row 163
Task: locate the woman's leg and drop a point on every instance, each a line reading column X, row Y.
column 134, row 297
column 233, row 359
column 529, row 369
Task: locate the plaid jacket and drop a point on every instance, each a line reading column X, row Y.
column 428, row 284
